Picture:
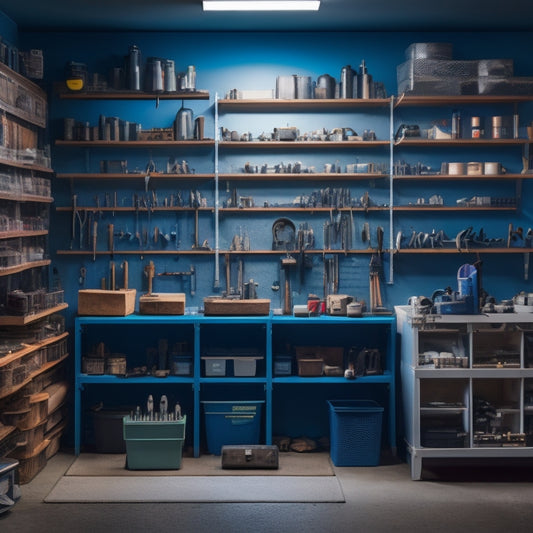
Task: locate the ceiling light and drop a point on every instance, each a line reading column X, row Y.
column 261, row 5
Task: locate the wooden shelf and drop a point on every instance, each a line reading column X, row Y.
column 311, row 176
column 134, row 175
column 15, row 234
column 22, row 267
column 11, row 320
column 406, row 100
column 266, row 145
column 26, row 166
column 463, row 177
column 44, row 368
column 461, row 142
column 440, row 208
column 132, row 95
column 134, row 144
column 211, row 252
column 16, row 197
column 317, row 104
column 31, row 348
column 295, row 209
column 94, row 209
column 487, row 250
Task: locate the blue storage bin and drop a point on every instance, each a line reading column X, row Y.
column 231, row 422
column 355, row 432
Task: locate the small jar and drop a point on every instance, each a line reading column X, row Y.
column 476, row 127
column 496, row 127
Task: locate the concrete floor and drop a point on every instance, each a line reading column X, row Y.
column 378, row 499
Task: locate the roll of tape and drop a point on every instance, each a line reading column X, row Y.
column 456, row 169
column 492, row 168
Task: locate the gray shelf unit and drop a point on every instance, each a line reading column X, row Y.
column 433, row 396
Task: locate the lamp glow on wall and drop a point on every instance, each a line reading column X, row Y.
column 261, row 5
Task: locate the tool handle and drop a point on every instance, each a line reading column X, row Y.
column 126, row 274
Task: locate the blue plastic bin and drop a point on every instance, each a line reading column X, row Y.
column 231, row 422
column 355, row 432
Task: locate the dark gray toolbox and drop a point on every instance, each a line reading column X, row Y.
column 250, row 456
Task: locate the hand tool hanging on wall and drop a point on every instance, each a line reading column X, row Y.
column 95, row 238
column 112, row 279
column 191, row 273
column 149, row 272
column 111, row 239
column 125, row 273
column 286, row 264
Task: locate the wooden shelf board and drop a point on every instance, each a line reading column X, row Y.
column 15, row 234
column 300, row 104
column 314, row 176
column 24, row 266
column 134, row 144
column 261, row 145
column 132, row 176
column 27, row 166
column 132, row 95
column 29, row 348
column 11, row 320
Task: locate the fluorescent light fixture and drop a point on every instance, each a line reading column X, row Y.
column 261, row 5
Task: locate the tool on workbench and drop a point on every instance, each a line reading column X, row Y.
column 149, row 272
column 286, row 264
column 376, row 302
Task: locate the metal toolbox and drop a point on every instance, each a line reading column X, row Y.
column 242, row 456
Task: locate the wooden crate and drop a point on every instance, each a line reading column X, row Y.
column 99, row 302
column 226, row 307
column 162, row 304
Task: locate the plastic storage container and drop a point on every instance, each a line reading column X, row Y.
column 231, row 422
column 154, row 445
column 355, row 432
column 108, row 431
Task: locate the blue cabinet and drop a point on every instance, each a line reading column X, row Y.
column 233, row 358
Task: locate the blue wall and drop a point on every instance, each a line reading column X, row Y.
column 253, row 61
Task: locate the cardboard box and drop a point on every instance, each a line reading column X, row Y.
column 162, row 304
column 228, row 307
column 99, row 302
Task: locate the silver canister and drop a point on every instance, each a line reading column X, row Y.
column 474, row 168
column 304, row 87
column 153, row 77
column 134, row 68
column 492, row 168
column 348, row 83
column 364, row 82
column 456, row 169
column 169, row 76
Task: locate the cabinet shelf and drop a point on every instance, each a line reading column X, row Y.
column 133, row 176
column 146, row 380
column 12, row 320
column 341, row 104
column 23, row 266
column 15, row 234
column 135, row 144
column 133, row 95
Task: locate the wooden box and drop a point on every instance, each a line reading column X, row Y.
column 99, row 302
column 227, row 307
column 243, row 456
column 162, row 304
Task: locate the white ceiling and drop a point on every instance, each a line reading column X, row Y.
column 334, row 15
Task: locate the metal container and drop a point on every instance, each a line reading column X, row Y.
column 304, row 87
column 169, row 77
column 325, row 87
column 348, row 85
column 183, row 125
column 133, row 69
column 153, row 78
